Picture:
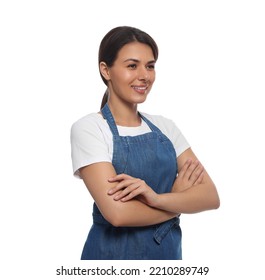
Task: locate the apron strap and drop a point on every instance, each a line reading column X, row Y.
column 150, row 124
column 113, row 127
column 108, row 116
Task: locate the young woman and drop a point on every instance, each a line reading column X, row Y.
column 139, row 168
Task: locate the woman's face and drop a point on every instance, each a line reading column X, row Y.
column 133, row 73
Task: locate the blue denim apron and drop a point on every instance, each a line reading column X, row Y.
column 152, row 158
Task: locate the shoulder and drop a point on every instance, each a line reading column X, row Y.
column 92, row 128
column 91, row 123
column 89, row 141
column 92, row 119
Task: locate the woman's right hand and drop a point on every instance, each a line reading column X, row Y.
column 190, row 174
column 129, row 188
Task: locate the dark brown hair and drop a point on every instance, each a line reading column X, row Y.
column 114, row 40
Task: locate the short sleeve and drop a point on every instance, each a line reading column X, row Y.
column 87, row 144
column 179, row 141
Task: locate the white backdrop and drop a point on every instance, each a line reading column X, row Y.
column 210, row 81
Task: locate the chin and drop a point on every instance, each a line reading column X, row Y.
column 140, row 100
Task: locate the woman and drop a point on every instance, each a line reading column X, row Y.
column 139, row 169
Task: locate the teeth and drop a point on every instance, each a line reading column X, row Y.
column 140, row 88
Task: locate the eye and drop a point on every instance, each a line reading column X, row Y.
column 151, row 66
column 132, row 66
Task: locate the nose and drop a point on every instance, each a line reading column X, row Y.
column 143, row 74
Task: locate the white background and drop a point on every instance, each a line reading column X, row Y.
column 210, row 81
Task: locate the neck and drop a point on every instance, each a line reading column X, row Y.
column 124, row 114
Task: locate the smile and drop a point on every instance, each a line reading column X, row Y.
column 139, row 88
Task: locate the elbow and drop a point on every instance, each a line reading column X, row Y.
column 112, row 219
column 215, row 202
column 214, row 205
column 211, row 202
column 115, row 218
column 214, row 198
column 116, row 221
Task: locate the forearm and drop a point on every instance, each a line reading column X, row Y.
column 198, row 198
column 134, row 213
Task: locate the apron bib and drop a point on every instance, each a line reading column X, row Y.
column 152, row 158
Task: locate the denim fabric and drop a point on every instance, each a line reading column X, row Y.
column 151, row 157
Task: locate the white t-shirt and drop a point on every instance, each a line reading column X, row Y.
column 91, row 138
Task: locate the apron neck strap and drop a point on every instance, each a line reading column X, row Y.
column 111, row 122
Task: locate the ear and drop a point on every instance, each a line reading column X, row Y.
column 104, row 70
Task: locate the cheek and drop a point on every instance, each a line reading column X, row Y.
column 153, row 77
column 123, row 77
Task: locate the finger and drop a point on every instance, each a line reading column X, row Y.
column 122, row 185
column 184, row 168
column 191, row 169
column 196, row 173
column 138, row 190
column 129, row 192
column 200, row 179
column 120, row 177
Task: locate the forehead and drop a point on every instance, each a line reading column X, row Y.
column 135, row 50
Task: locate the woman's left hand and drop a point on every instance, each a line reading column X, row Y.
column 129, row 187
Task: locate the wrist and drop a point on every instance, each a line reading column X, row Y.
column 155, row 201
column 167, row 202
column 158, row 201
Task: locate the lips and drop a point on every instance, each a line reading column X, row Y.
column 140, row 89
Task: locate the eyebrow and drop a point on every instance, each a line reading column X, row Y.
column 137, row 61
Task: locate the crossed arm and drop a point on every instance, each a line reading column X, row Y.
column 127, row 201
